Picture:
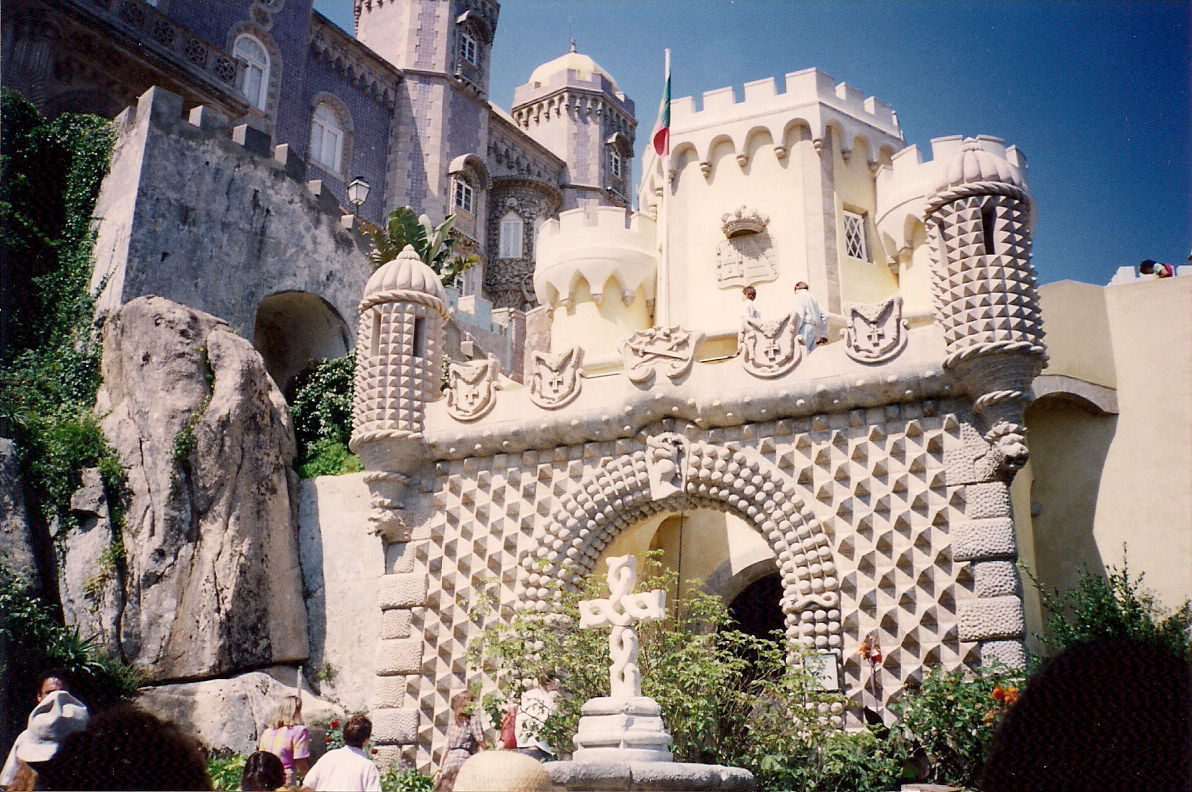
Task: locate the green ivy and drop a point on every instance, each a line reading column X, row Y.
column 226, row 771
column 322, row 414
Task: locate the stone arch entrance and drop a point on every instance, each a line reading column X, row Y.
column 674, row 474
column 292, row 329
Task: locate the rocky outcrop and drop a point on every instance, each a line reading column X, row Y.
column 19, row 549
column 211, row 584
column 229, row 714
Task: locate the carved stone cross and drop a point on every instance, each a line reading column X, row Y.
column 622, row 610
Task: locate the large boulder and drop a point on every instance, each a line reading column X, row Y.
column 18, row 545
column 211, row 584
column 228, row 715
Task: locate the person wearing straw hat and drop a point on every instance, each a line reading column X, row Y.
column 55, row 716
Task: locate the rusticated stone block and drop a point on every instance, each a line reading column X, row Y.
column 1011, row 654
column 991, row 619
column 393, row 726
column 389, row 691
column 402, row 591
column 995, row 579
column 396, row 623
column 400, row 656
column 990, row 539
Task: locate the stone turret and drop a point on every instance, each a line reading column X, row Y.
column 399, row 366
column 979, row 224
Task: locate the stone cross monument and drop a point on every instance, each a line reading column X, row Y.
column 625, row 726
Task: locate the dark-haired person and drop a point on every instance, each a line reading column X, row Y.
column 347, row 769
column 126, row 748
column 1157, row 268
column 56, row 715
column 263, row 771
column 749, row 313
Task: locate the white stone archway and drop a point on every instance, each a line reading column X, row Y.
column 619, row 493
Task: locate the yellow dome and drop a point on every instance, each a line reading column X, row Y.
column 573, row 61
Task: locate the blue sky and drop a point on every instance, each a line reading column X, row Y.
column 1098, row 95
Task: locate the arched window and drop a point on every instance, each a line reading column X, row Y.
column 326, row 138
column 465, row 195
column 512, row 227
column 252, row 54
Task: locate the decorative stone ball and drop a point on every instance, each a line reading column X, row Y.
column 503, row 771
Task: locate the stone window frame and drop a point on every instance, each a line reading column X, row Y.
column 469, row 47
column 343, row 116
column 463, row 194
column 511, row 219
column 855, row 235
column 267, row 113
column 619, row 150
column 242, row 51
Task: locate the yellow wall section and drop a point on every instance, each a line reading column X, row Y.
column 860, row 281
column 766, row 184
column 599, row 329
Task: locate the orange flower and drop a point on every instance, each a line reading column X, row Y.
column 998, row 694
column 990, row 716
column 1011, row 695
column 864, row 650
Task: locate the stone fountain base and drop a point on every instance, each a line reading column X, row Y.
column 648, row 777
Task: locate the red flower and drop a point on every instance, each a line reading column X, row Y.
column 374, row 750
column 335, row 724
column 877, row 655
column 327, row 740
column 999, row 694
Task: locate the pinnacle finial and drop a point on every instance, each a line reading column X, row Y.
column 572, row 45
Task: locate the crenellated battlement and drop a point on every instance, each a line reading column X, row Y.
column 595, row 244
column 905, row 185
column 800, row 88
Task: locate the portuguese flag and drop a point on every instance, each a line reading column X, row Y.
column 661, row 134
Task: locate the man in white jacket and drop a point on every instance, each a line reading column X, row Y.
column 348, row 769
column 813, row 325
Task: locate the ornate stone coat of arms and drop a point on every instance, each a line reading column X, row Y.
column 746, row 255
column 667, row 349
column 472, row 389
column 771, row 349
column 555, row 380
column 876, row 333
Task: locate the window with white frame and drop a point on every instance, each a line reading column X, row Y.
column 465, row 196
column 326, row 138
column 467, row 47
column 854, row 236
column 512, row 229
column 614, row 163
column 253, row 55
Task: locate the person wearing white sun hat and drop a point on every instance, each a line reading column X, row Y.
column 57, row 715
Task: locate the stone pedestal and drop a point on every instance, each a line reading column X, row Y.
column 621, row 730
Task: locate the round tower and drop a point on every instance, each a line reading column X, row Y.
column 979, row 220
column 399, row 365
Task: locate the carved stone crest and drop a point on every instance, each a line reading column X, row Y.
column 471, row 389
column 747, row 254
column 666, row 464
column 876, row 333
column 669, row 349
column 771, row 349
column 555, row 380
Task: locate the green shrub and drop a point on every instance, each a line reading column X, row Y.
column 322, row 414
column 949, row 722
column 226, row 771
column 407, row 779
column 726, row 697
column 1113, row 605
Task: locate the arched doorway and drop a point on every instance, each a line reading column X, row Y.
column 758, row 609
column 295, row 329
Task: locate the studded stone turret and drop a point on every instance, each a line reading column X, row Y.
column 398, row 371
column 980, row 223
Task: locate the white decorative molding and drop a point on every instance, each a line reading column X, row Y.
column 555, row 380
column 669, row 349
column 771, row 349
column 875, row 333
column 472, row 389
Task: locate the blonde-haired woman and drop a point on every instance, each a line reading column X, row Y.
column 287, row 738
column 465, row 736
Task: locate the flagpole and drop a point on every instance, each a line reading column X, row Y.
column 662, row 305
